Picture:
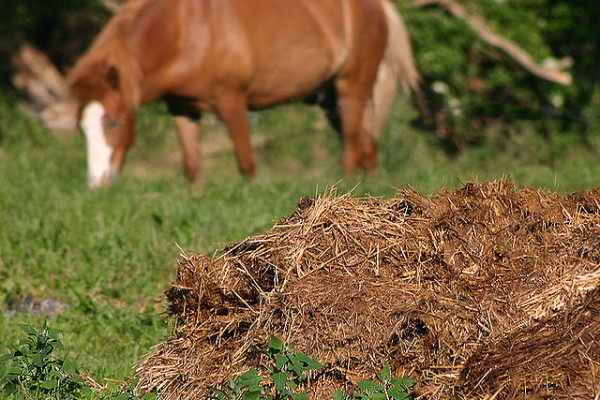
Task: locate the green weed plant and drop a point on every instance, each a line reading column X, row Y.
column 34, row 367
column 387, row 388
column 289, row 369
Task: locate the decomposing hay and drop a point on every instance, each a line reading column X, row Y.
column 484, row 292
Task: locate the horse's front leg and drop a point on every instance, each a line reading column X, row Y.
column 232, row 111
column 189, row 139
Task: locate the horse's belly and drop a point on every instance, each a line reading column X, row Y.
column 262, row 101
column 285, row 94
column 290, row 80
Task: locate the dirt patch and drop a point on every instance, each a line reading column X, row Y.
column 484, row 292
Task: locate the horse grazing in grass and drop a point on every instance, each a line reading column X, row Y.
column 229, row 56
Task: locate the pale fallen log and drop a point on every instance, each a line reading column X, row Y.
column 49, row 97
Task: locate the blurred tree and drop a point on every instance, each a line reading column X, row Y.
column 474, row 86
column 573, row 30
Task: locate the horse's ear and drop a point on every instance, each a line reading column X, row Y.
column 113, row 77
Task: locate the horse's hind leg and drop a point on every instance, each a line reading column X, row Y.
column 359, row 142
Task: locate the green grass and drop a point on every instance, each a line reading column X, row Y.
column 111, row 253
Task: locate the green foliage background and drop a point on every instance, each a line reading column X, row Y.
column 484, row 92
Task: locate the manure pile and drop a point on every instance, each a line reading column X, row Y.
column 484, row 292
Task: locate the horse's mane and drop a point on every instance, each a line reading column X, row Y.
column 112, row 49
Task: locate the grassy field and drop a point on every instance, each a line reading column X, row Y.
column 110, row 254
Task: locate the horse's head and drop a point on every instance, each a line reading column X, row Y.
column 106, row 120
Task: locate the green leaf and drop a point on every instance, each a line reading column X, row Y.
column 52, row 384
column 218, row 394
column 252, row 395
column 26, row 342
column 58, row 345
column 275, row 344
column 308, row 362
column 42, row 338
column 292, row 384
column 18, row 353
column 54, row 334
column 69, row 367
column 250, row 380
column 10, row 388
column 250, row 376
column 28, row 329
column 407, row 383
column 300, row 396
column 297, row 367
column 231, row 385
column 281, row 360
column 78, row 380
column 386, row 373
column 38, row 360
column 6, row 357
column 369, row 387
column 400, row 389
column 280, row 380
column 339, row 395
column 398, row 393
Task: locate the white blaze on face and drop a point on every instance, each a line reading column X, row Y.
column 98, row 150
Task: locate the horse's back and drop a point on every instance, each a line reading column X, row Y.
column 276, row 50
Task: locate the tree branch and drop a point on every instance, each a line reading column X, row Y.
column 549, row 71
column 112, row 5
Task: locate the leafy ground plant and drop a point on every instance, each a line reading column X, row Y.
column 33, row 367
column 289, row 369
column 387, row 388
column 35, row 370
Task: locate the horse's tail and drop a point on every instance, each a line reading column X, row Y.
column 397, row 68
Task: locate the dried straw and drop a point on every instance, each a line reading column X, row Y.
column 483, row 292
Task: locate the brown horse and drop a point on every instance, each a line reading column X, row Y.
column 228, row 56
